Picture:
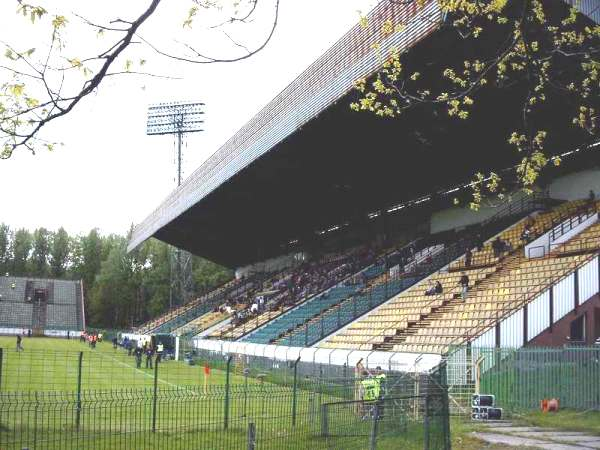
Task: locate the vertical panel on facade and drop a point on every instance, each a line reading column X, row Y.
column 486, row 340
column 538, row 315
column 588, row 280
column 564, row 297
column 511, row 330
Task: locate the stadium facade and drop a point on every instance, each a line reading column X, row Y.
column 302, row 189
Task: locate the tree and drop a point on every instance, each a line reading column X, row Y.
column 59, row 254
column 41, row 252
column 110, row 303
column 5, row 250
column 530, row 45
column 155, row 281
column 43, row 81
column 87, row 257
column 208, row 275
column 22, row 242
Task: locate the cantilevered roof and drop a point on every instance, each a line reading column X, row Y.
column 306, row 163
column 325, row 81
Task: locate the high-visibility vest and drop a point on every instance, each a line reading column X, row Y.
column 371, row 389
column 381, row 381
column 160, row 348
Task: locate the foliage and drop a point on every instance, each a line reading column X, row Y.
column 121, row 289
column 526, row 45
column 58, row 58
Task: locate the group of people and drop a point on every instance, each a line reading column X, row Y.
column 293, row 286
column 371, row 389
column 140, row 349
column 91, row 338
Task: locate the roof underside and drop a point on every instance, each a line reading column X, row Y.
column 306, row 162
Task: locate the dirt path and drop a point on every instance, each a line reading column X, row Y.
column 506, row 433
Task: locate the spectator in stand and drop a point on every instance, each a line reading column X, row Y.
column 468, row 257
column 497, row 247
column 527, row 234
column 464, row 283
column 435, row 289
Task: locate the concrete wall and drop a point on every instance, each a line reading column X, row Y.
column 558, row 335
column 576, row 185
column 452, row 218
column 273, row 264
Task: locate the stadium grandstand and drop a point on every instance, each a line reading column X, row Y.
column 342, row 229
column 41, row 306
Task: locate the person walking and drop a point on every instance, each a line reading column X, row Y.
column 19, row 346
column 159, row 352
column 138, row 357
column 464, row 283
column 149, row 354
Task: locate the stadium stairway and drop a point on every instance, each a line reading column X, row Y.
column 413, row 322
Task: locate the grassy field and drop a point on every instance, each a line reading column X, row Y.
column 53, row 364
column 568, row 420
column 117, row 407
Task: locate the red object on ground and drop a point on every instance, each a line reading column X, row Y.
column 553, row 405
column 544, row 405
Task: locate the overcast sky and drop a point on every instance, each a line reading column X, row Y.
column 109, row 174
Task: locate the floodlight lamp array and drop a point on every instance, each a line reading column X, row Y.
column 174, row 118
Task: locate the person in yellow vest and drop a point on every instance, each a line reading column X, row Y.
column 371, row 391
column 380, row 377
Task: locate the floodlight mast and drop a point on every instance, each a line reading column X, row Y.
column 178, row 119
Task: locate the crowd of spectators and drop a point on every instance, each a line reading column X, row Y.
column 294, row 285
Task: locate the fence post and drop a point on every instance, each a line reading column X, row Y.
column 426, row 424
column 1, row 360
column 374, row 427
column 79, row 370
column 295, row 392
column 226, row 413
column 154, row 399
column 324, row 421
column 251, row 436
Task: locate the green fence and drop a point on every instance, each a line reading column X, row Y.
column 520, row 379
column 233, row 417
column 100, row 399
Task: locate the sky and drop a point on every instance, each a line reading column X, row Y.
column 109, row 174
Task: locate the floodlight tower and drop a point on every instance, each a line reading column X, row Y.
column 177, row 119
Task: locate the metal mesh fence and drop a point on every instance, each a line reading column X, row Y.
column 99, row 399
column 520, row 379
column 258, row 416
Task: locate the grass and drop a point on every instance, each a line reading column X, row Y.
column 568, row 420
column 39, row 406
column 52, row 364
